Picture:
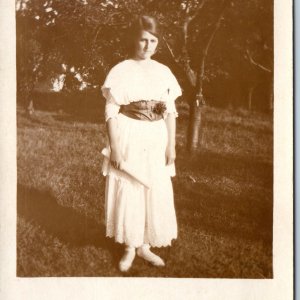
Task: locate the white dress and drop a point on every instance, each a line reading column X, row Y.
column 134, row 214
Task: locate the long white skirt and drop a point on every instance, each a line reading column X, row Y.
column 134, row 214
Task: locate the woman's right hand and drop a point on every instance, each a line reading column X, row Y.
column 115, row 155
column 116, row 158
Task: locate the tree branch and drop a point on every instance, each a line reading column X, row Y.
column 106, row 23
column 201, row 71
column 188, row 71
column 171, row 51
column 216, row 27
column 185, row 29
column 256, row 63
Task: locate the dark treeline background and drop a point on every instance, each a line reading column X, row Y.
column 221, row 51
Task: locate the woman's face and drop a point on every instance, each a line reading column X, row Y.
column 146, row 45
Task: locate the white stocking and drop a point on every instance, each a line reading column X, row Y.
column 127, row 259
column 145, row 253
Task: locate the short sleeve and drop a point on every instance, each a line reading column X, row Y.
column 173, row 92
column 111, row 109
column 112, row 91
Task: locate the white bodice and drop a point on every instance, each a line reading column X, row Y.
column 132, row 80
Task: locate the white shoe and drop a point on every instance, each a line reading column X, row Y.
column 127, row 259
column 145, row 253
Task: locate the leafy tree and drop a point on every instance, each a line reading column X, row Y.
column 221, row 51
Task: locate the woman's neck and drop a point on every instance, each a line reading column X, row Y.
column 141, row 60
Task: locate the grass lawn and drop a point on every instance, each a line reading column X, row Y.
column 223, row 198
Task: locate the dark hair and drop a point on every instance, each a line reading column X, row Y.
column 139, row 24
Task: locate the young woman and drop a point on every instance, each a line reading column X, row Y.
column 140, row 117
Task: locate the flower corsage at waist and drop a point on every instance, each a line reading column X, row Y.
column 159, row 108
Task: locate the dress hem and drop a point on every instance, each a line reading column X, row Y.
column 136, row 246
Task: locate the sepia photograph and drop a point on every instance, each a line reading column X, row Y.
column 146, row 149
column 145, row 138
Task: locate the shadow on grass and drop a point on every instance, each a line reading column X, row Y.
column 85, row 106
column 242, row 168
column 64, row 223
column 241, row 213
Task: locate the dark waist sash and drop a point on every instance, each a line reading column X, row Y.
column 147, row 110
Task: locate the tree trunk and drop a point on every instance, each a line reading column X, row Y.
column 29, row 100
column 271, row 97
column 195, row 78
column 30, row 107
column 195, row 126
column 250, row 95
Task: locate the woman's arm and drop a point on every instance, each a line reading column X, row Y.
column 115, row 156
column 171, row 127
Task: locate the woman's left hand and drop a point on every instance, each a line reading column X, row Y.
column 170, row 155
